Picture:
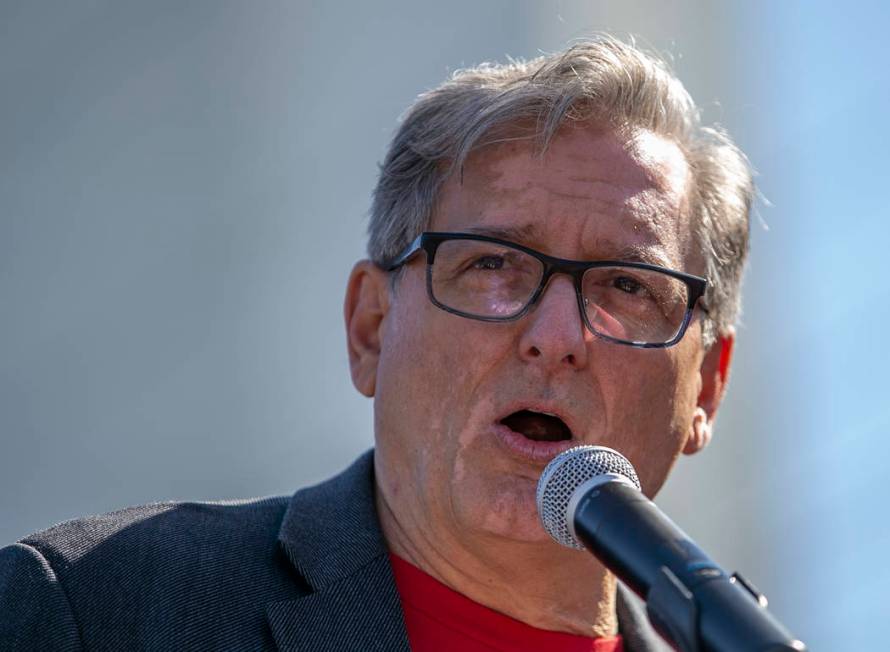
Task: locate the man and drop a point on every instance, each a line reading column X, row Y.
column 538, row 243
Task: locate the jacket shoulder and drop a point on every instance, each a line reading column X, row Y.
column 36, row 612
column 159, row 528
column 181, row 571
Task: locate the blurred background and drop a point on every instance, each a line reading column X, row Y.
column 184, row 188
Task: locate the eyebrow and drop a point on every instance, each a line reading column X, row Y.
column 623, row 252
column 639, row 254
column 521, row 234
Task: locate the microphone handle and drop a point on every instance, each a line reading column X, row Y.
column 690, row 599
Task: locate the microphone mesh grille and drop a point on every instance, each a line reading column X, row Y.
column 565, row 473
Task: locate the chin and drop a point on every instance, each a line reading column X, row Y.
column 509, row 511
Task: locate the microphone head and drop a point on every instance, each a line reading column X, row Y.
column 561, row 479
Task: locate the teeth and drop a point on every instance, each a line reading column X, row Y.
column 548, row 414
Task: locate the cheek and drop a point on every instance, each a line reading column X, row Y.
column 652, row 410
column 438, row 358
column 428, row 369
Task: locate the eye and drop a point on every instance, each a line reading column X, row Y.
column 628, row 285
column 488, row 262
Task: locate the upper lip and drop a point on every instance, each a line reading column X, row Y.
column 550, row 408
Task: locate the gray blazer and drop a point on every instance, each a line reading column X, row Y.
column 306, row 573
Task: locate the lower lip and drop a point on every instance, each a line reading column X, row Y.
column 530, row 450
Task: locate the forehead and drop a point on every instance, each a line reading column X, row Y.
column 592, row 194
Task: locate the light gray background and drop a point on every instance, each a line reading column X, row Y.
column 184, row 188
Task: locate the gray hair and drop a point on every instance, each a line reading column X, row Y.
column 604, row 80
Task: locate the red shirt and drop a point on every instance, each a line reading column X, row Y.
column 438, row 618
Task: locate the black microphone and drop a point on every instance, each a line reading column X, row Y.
column 589, row 497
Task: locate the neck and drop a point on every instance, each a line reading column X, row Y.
column 541, row 584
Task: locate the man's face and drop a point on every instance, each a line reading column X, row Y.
column 443, row 384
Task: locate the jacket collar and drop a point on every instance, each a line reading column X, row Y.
column 331, row 530
column 331, row 535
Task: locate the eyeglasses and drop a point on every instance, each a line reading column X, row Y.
column 489, row 279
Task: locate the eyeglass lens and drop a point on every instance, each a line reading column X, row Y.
column 493, row 281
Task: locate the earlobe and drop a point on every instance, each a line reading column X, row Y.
column 366, row 304
column 714, row 377
column 699, row 433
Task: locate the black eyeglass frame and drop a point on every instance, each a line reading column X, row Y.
column 429, row 242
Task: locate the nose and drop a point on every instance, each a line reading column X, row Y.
column 554, row 334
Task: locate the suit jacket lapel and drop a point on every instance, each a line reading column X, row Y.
column 330, row 534
column 354, row 614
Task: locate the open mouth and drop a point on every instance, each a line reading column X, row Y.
column 538, row 426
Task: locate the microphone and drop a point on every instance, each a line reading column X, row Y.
column 589, row 497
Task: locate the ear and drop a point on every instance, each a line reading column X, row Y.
column 366, row 304
column 714, row 376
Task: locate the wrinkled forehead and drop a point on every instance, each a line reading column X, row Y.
column 630, row 187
